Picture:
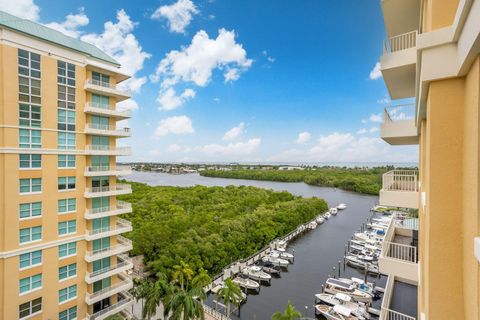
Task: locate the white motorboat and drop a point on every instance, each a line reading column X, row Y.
column 281, row 244
column 361, row 285
column 320, row 220
column 244, row 282
column 269, row 267
column 337, row 312
column 358, row 309
column 354, row 261
column 276, row 260
column 333, row 211
column 327, row 215
column 365, row 236
column 334, row 286
column 256, row 273
column 285, row 255
column 342, row 206
column 312, row 225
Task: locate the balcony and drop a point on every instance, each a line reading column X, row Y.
column 400, row 189
column 100, row 87
column 120, row 226
column 399, row 256
column 125, row 283
column 123, row 245
column 107, row 171
column 123, row 264
column 398, row 127
column 108, row 191
column 106, row 110
column 125, row 302
column 398, row 64
column 106, row 130
column 121, row 208
column 399, row 301
column 99, row 150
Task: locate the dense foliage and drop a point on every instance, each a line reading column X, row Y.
column 362, row 180
column 209, row 227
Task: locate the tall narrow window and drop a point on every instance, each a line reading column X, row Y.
column 66, row 115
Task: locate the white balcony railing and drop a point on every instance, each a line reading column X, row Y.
column 120, row 226
column 399, row 113
column 400, row 180
column 101, row 109
column 399, row 251
column 123, row 245
column 107, row 170
column 96, row 128
column 122, row 304
column 389, row 314
column 400, row 42
column 124, row 284
column 117, row 189
column 120, row 208
column 104, row 85
column 107, row 150
column 123, row 264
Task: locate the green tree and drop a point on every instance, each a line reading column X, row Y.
column 290, row 313
column 202, row 279
column 184, row 305
column 230, row 293
column 183, row 274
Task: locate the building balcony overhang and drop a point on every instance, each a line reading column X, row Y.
column 107, row 171
column 121, row 226
column 394, row 307
column 120, row 208
column 106, row 130
column 124, row 245
column 99, row 150
column 123, row 304
column 115, row 190
column 99, row 87
column 398, row 127
column 400, row 189
column 110, row 111
column 124, row 263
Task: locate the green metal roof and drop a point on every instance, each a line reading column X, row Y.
column 42, row 32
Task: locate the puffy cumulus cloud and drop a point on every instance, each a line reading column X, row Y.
column 237, row 149
column 234, row 133
column 303, row 137
column 376, row 72
column 195, row 63
column 376, row 118
column 169, row 100
column 72, row 24
column 373, row 129
column 25, row 9
column 362, row 131
column 118, row 41
column 174, row 125
column 178, row 15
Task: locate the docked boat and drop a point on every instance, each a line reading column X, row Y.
column 285, row 255
column 244, row 282
column 358, row 309
column 269, row 267
column 222, row 285
column 334, row 286
column 327, row 215
column 333, row 211
column 256, row 273
column 276, row 260
column 312, row 225
column 362, row 286
column 320, row 220
column 281, row 244
column 342, row 206
column 356, row 262
column 337, row 312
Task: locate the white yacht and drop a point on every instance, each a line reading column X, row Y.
column 320, row 220
column 342, row 206
column 335, row 286
column 337, row 312
column 285, row 255
column 358, row 309
column 244, row 282
column 256, row 273
column 276, row 260
column 333, row 211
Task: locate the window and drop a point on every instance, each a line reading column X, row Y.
column 100, row 245
column 30, row 161
column 68, row 249
column 100, row 182
column 30, row 185
column 30, row 308
column 100, row 141
column 30, row 234
column 67, row 271
column 66, row 73
column 66, row 120
column 66, row 161
column 30, row 210
column 102, row 284
column 101, row 204
column 100, row 101
column 29, row 138
column 101, row 79
column 30, row 283
column 66, row 183
column 67, row 205
column 69, row 314
column 66, row 140
column 67, row 293
column 29, row 116
column 66, row 227
column 101, row 264
column 101, row 224
column 30, row 259
column 29, row 75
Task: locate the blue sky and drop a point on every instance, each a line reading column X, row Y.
column 241, row 80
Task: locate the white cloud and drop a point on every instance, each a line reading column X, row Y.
column 216, row 99
column 269, row 58
column 376, row 118
column 169, row 100
column 118, row 41
column 72, row 24
column 234, row 133
column 376, row 73
column 25, row 9
column 231, row 149
column 174, row 125
column 303, row 137
column 373, row 129
column 362, row 131
column 384, row 100
column 179, row 15
column 195, row 63
column 174, row 148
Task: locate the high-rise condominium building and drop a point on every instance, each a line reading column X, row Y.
column 61, row 252
column 431, row 59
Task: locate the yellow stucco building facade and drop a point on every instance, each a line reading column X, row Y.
column 62, row 255
column 431, row 58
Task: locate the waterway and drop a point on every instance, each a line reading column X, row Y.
column 316, row 252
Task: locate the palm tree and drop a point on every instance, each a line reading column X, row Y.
column 182, row 274
column 142, row 288
column 151, row 293
column 184, row 305
column 230, row 293
column 290, row 313
column 202, row 279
